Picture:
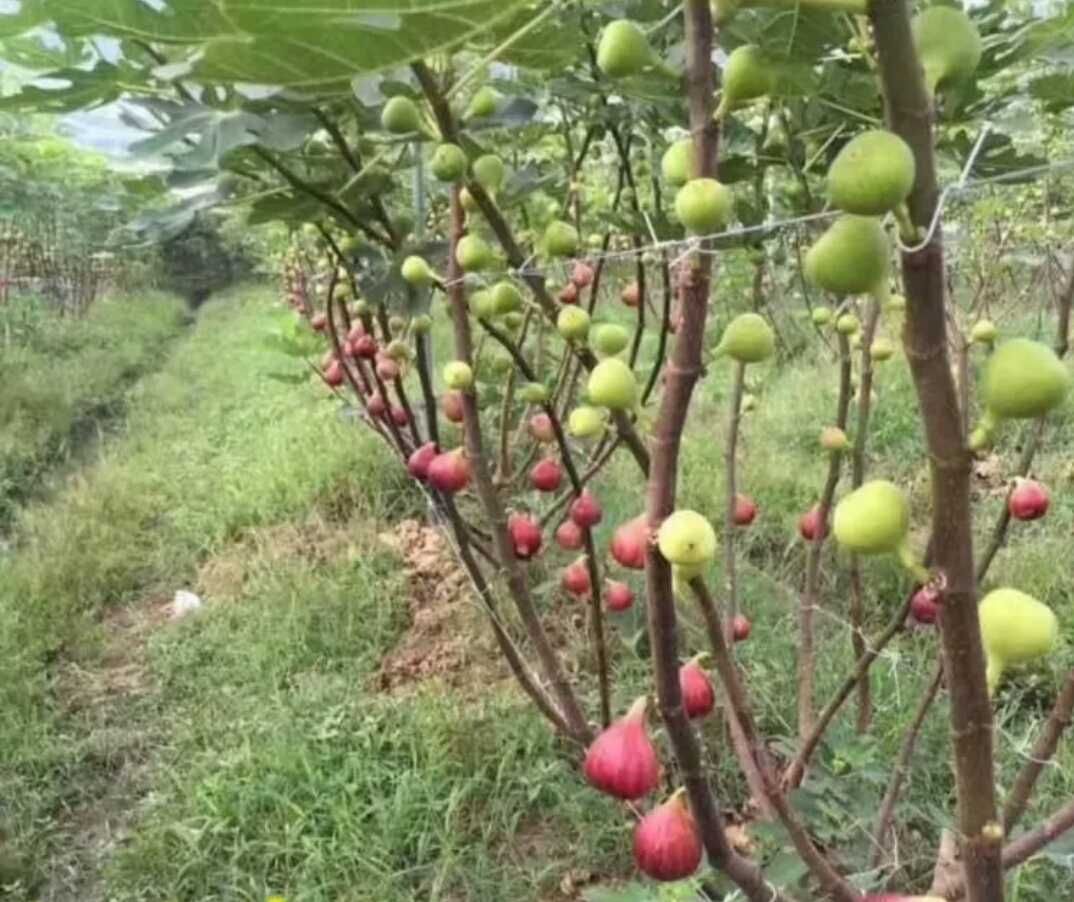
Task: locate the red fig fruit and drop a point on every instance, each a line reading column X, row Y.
column 377, row 407
column 333, row 374
column 582, row 274
column 546, row 475
column 568, row 294
column 569, row 536
column 925, row 605
column 618, row 596
column 585, row 510
column 629, row 543
column 399, row 416
column 387, row 369
column 740, row 628
column 364, row 346
column 576, row 578
column 356, row 331
column 622, row 761
column 631, row 295
column 698, row 696
column 745, row 510
column 541, row 427
column 525, row 535
column 449, row 472
column 417, row 464
column 319, row 321
column 666, row 842
column 451, row 404
column 1028, row 501
column 810, row 522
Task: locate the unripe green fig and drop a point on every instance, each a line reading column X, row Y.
column 448, row 163
column 398, row 350
column 473, row 254
column 534, row 393
column 483, row 104
column 573, row 323
column 585, row 422
column 400, row 116
column 609, row 339
column 875, row 519
column 623, row 50
column 704, row 206
column 561, row 239
column 612, row 384
column 458, row 376
column 361, row 308
column 872, row 174
column 1015, row 629
column 513, row 321
column 747, row 76
column 882, row 349
column 421, row 324
column 417, row 272
column 482, row 304
column 677, row 163
column 948, row 45
column 851, row 257
column 506, row 298
column 502, row 364
column 489, row 172
column 396, row 324
column 821, row 316
column 466, row 200
column 688, row 542
column 848, row 324
column 984, row 332
column 832, row 438
column 748, row 339
column 895, row 304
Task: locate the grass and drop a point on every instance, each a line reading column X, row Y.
column 248, row 750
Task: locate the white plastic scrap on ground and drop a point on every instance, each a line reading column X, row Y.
column 185, row 603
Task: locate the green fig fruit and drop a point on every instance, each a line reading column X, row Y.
column 534, row 393
column 612, row 384
column 473, row 254
column 490, row 172
column 483, row 104
column 448, row 163
column 984, row 332
column 848, row 324
column 882, row 349
column 573, row 323
column 458, row 376
column 466, row 200
column 747, row 76
column 482, row 304
column 851, row 257
column 623, row 50
column 704, row 206
column 400, row 116
column 872, row 174
column 948, row 46
column 561, row 239
column 609, row 339
column 586, row 422
column 677, row 163
column 417, row 272
column 896, row 304
column 421, row 324
column 875, row 519
column 821, row 316
column 513, row 321
column 506, row 297
column 748, row 339
column 688, row 542
column 398, row 350
column 1015, row 629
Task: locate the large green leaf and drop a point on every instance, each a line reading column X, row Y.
column 29, row 14
column 182, row 21
column 66, row 90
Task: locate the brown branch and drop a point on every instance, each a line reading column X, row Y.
column 665, row 328
column 734, row 418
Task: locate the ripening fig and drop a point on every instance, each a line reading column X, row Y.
column 618, row 596
column 533, row 393
column 622, row 761
column 677, row 164
column 612, row 384
column 747, row 76
column 582, row 274
column 376, row 405
column 851, row 257
column 698, row 696
column 872, row 174
column 704, row 206
column 570, row 536
column 458, row 376
column 387, row 369
column 417, row 464
column 925, row 605
column 984, row 332
column 882, row 349
column 449, row 472
column 688, row 541
column 608, row 339
column 630, row 542
column 482, row 304
column 623, row 50
column 448, row 163
column 848, row 324
column 745, row 511
column 525, row 534
column 1023, row 379
column 666, row 842
column 506, row 298
column 875, row 519
column 821, row 316
column 948, row 46
column 489, row 172
column 452, row 405
column 399, row 416
column 1015, row 629
column 400, row 116
column 483, row 104
column 417, row 272
column 631, row 295
column 561, row 239
column 473, row 254
column 573, row 323
column 575, row 578
column 1028, row 500
column 568, row 294
column 364, row 347
column 546, row 475
column 585, row 510
column 832, row 438
column 748, row 339
column 319, row 322
column 540, row 427
column 740, row 628
column 810, row 523
column 333, row 374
